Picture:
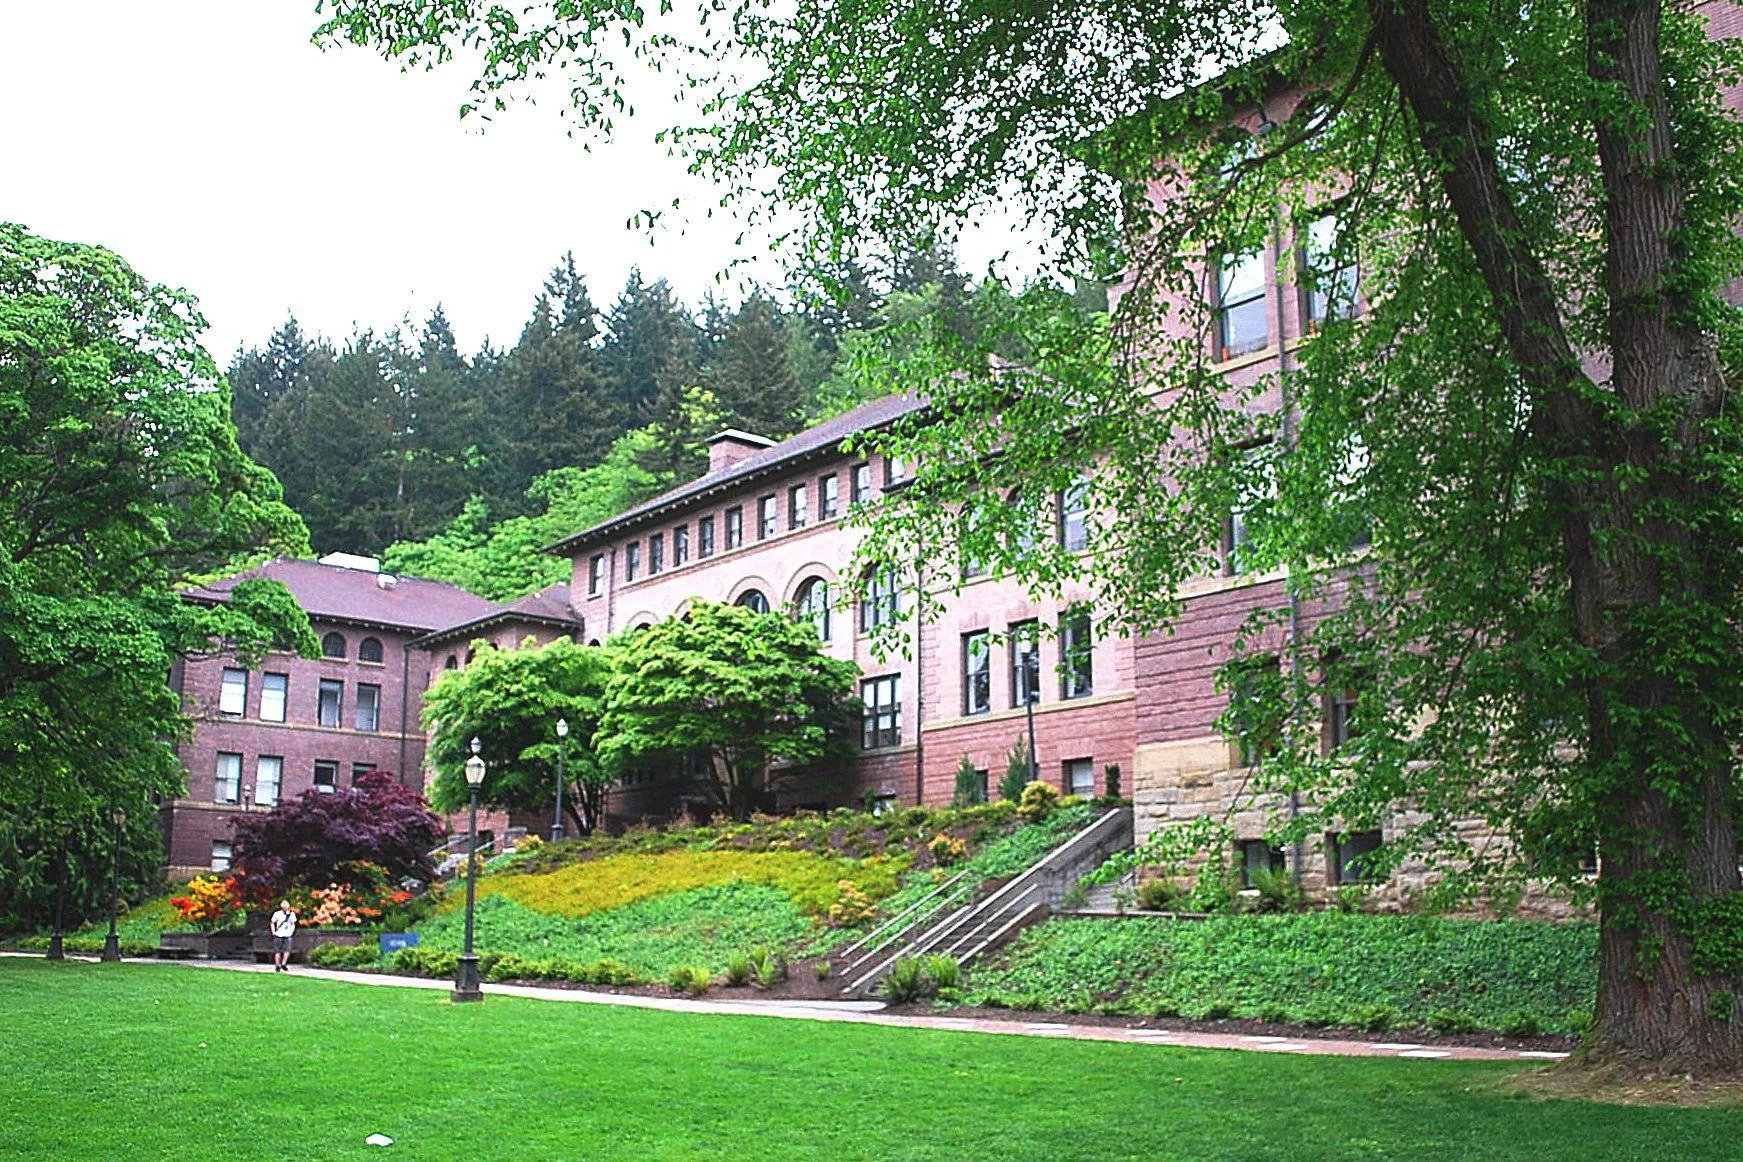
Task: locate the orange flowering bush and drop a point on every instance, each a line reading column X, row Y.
column 211, row 902
column 361, row 897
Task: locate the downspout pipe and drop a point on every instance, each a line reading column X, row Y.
column 1281, row 300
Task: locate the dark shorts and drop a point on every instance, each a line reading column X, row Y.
column 281, row 943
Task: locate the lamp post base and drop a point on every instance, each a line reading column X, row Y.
column 556, row 832
column 111, row 948
column 466, row 981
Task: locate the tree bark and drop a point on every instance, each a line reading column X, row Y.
column 1667, row 833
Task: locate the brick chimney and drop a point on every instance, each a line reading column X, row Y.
column 731, row 446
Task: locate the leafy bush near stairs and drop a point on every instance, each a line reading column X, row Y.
column 1325, row 968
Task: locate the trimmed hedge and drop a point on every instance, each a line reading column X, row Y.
column 1324, row 968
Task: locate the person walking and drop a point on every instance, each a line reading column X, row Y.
column 283, row 927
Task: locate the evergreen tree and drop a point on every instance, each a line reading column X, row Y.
column 260, row 379
column 755, row 382
column 648, row 330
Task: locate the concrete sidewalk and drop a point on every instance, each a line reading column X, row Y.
column 874, row 1013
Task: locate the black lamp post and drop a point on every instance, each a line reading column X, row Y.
column 1031, row 663
column 562, row 746
column 112, row 943
column 466, row 978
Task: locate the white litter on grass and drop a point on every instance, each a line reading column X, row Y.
column 379, row 1140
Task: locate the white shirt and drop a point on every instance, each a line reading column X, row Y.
column 283, row 923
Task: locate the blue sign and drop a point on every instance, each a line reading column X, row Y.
column 394, row 941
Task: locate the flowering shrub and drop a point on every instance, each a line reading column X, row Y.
column 947, row 849
column 362, row 894
column 851, row 908
column 211, row 902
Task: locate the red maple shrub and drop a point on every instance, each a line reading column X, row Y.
column 324, row 837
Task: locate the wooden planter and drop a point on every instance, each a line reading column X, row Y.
column 305, row 939
column 204, row 945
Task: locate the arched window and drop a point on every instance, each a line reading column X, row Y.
column 753, row 600
column 812, row 605
column 453, row 663
column 333, row 645
column 882, row 601
column 369, row 650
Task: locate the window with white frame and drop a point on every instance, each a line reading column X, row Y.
column 222, row 855
column 1025, row 644
column 798, row 506
column 368, row 707
column 977, row 673
column 680, row 545
column 656, row 553
column 274, row 691
column 233, row 692
column 632, row 561
column 734, row 527
column 861, row 483
column 227, row 778
column 828, row 496
column 1330, row 279
column 882, row 601
column 329, row 702
column 812, row 605
column 1078, row 777
column 326, row 775
column 595, row 574
column 767, row 517
column 705, row 538
column 268, row 779
column 1242, row 323
column 1076, row 655
column 1074, row 516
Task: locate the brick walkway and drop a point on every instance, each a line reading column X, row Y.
column 872, row 1013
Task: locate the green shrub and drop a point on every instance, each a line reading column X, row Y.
column 1373, row 1018
column 689, row 979
column 343, row 955
column 1276, row 1012
column 1162, row 896
column 942, row 972
column 1521, row 1023
column 1450, row 1021
column 767, row 969
column 421, row 961
column 1277, row 891
column 905, row 981
column 738, row 970
column 1017, row 772
column 969, row 788
column 822, row 969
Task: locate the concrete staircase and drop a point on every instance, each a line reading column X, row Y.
column 951, row 922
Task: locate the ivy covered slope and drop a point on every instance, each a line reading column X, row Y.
column 1327, row 968
column 650, row 901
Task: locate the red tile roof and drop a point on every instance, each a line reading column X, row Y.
column 335, row 593
column 549, row 606
column 824, row 438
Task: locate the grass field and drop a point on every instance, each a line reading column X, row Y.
column 160, row 1062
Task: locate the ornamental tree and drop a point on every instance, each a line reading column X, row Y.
column 745, row 690
column 1530, row 425
column 510, row 700
column 319, row 837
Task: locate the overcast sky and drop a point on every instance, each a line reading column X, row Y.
column 213, row 147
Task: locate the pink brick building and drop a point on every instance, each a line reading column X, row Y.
column 763, row 527
column 273, row 731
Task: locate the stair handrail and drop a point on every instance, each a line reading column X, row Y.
column 896, row 919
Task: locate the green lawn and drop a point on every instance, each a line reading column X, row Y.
column 162, row 1061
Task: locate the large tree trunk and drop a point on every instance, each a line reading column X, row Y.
column 1630, row 504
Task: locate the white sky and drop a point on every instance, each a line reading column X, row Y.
column 213, row 147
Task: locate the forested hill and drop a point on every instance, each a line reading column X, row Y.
column 457, row 466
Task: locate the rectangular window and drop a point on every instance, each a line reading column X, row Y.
column 222, row 853
column 1074, row 517
column 861, row 483
column 332, row 697
column 705, row 538
column 656, row 553
column 233, row 693
column 368, row 707
column 596, row 575
column 1255, row 709
column 1342, row 698
column 268, row 780
column 977, row 673
column 884, row 804
column 227, row 778
column 1354, row 856
column 632, row 561
column 680, row 545
column 1258, row 858
column 1079, row 777
column 798, row 506
column 828, row 496
column 1256, row 487
column 1076, row 656
column 883, row 711
column 882, row 601
column 734, row 527
column 1025, row 663
column 766, row 518
column 274, row 690
column 1329, row 278
column 326, row 775
column 1242, row 325
column 895, row 470
column 358, row 769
